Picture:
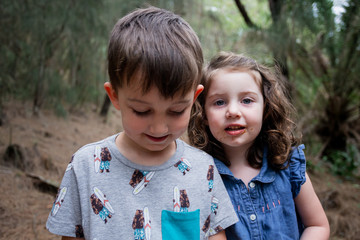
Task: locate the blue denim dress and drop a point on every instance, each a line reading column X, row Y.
column 266, row 209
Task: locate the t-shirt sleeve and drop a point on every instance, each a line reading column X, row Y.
column 297, row 169
column 223, row 213
column 65, row 216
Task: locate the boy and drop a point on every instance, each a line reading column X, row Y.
column 144, row 182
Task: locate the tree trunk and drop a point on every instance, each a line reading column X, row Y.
column 105, row 106
column 39, row 87
column 283, row 35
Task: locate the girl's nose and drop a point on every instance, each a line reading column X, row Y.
column 233, row 111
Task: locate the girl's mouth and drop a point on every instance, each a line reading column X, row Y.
column 235, row 130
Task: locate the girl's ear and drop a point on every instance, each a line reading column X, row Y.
column 112, row 95
column 199, row 89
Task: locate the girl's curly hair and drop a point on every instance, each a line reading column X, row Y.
column 277, row 132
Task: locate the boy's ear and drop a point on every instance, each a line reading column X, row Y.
column 198, row 90
column 112, row 95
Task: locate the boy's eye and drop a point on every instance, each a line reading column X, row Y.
column 177, row 113
column 247, row 101
column 141, row 113
column 219, row 102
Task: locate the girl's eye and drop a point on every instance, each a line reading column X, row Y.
column 219, row 102
column 139, row 113
column 247, row 101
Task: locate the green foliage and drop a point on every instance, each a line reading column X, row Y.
column 344, row 163
column 221, row 27
column 51, row 48
column 54, row 52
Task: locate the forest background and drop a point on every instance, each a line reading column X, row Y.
column 53, row 61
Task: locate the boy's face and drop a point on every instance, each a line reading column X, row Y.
column 150, row 122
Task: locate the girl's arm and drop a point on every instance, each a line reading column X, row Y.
column 312, row 213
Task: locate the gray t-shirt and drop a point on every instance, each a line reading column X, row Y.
column 103, row 195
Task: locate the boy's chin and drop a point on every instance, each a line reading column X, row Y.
column 158, row 147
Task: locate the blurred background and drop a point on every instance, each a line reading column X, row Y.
column 53, row 66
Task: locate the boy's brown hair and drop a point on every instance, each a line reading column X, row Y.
column 156, row 48
column 277, row 132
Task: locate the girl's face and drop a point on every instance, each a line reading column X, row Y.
column 234, row 108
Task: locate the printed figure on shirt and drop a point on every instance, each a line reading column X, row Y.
column 79, row 231
column 183, row 165
column 140, row 179
column 59, row 199
column 210, row 177
column 184, row 201
column 138, row 225
column 69, row 166
column 105, row 160
column 102, row 158
column 141, row 224
column 208, row 230
column 100, row 205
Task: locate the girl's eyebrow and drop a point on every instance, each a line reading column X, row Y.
column 215, row 95
column 225, row 93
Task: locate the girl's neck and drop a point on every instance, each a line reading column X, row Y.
column 236, row 155
column 240, row 166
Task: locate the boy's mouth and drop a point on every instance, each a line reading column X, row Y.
column 157, row 139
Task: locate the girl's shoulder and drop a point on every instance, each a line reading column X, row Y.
column 297, row 168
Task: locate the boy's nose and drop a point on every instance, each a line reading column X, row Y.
column 158, row 128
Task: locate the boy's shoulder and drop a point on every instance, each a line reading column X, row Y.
column 91, row 147
column 195, row 152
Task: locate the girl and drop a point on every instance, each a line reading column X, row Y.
column 246, row 126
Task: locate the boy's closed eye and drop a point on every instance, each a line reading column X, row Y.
column 148, row 112
column 141, row 113
column 176, row 113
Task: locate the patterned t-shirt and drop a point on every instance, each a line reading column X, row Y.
column 103, row 195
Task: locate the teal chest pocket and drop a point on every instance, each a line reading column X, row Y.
column 180, row 225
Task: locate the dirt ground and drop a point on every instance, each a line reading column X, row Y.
column 44, row 145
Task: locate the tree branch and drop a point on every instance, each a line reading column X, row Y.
column 243, row 12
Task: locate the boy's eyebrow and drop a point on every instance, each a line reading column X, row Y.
column 185, row 101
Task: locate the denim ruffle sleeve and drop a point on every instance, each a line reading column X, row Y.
column 297, row 169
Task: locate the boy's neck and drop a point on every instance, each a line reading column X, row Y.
column 134, row 153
